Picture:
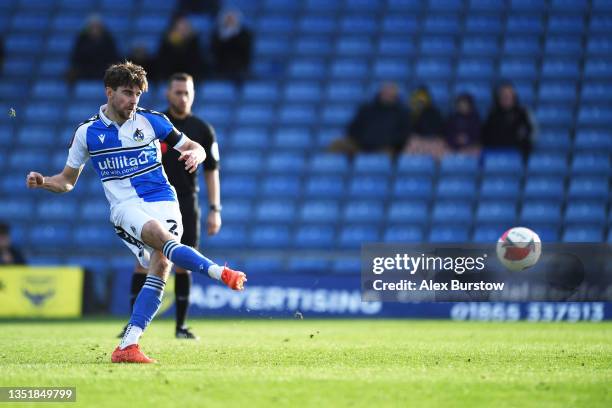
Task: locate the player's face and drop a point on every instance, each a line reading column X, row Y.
column 180, row 96
column 124, row 100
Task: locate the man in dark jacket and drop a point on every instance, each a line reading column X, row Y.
column 508, row 124
column 180, row 51
column 381, row 125
column 231, row 46
column 93, row 51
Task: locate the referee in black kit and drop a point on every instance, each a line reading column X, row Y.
column 180, row 97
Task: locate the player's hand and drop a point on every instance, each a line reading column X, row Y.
column 213, row 223
column 192, row 159
column 34, row 180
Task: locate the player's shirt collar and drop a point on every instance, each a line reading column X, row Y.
column 109, row 122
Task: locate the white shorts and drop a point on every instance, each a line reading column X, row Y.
column 129, row 218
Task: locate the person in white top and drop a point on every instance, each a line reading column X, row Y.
column 122, row 141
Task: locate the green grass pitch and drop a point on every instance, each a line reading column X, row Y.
column 318, row 363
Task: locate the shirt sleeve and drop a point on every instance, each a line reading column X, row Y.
column 77, row 152
column 160, row 123
column 209, row 143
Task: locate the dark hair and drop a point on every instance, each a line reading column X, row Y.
column 126, row 74
column 180, row 76
column 5, row 229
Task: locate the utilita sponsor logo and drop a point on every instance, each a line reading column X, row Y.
column 121, row 162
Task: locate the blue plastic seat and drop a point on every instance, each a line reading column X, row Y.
column 18, row 67
column 555, row 115
column 41, row 114
column 246, row 163
column 586, row 163
column 550, row 188
column 273, row 211
column 523, row 46
column 557, row 91
column 354, row 47
column 249, row 138
column 596, row 92
column 518, row 69
column 318, row 211
column 271, row 46
column 404, row 25
column 255, row 115
column 460, row 188
column 395, row 47
column 346, row 266
column 388, row 69
column 452, row 213
column 496, row 212
column 407, row 234
column 479, row 46
column 541, row 212
column 317, row 24
column 437, row 46
column 263, row 264
column 260, row 92
column 408, row 212
column 458, row 164
column 94, row 210
column 483, row 24
column 563, row 46
column 218, row 91
column 480, row 69
column 57, row 210
column 416, row 164
column 599, row 46
column 595, row 116
column 372, row 163
column 230, row 236
column 487, row 234
column 589, row 188
column 433, row 69
column 337, row 115
column 279, row 24
column 500, row 187
column 88, row 90
column 301, row 92
column 445, row 234
column 270, row 236
column 51, row 235
column 23, row 44
column 312, row 46
column 307, row 69
column 540, row 163
column 349, row 69
column 325, row 187
column 441, row 24
column 29, row 160
column 503, row 163
column 572, row 6
column 413, row 187
column 237, row 210
column 364, row 186
column 363, row 212
column 281, row 186
column 600, row 24
column 300, row 265
column 238, row 185
column 353, row 236
column 597, row 69
column 292, row 138
column 566, row 24
column 151, row 23
column 102, row 236
column 315, row 236
column 583, row 212
column 329, row 163
column 16, row 209
column 583, row 234
column 523, row 24
column 552, row 141
column 560, row 69
column 286, row 163
column 593, row 140
column 297, row 115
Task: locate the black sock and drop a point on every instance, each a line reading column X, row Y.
column 182, row 288
column 138, row 281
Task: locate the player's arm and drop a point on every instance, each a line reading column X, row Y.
column 59, row 183
column 192, row 153
column 213, row 222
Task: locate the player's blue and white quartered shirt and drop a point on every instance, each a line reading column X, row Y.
column 127, row 158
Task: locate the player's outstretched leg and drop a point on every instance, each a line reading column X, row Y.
column 156, row 236
column 190, row 259
column 145, row 307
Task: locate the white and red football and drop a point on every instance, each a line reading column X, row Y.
column 519, row 248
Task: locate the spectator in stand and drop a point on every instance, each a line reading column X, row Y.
column 508, row 124
column 427, row 125
column 231, row 47
column 180, row 51
column 463, row 126
column 140, row 55
column 381, row 125
column 93, row 51
column 185, row 7
column 9, row 255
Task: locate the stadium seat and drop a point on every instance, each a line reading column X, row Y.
column 218, row 91
column 237, row 210
column 337, row 115
column 445, row 234
column 302, row 92
column 16, row 209
column 545, row 187
column 433, row 69
column 404, row 234
column 555, row 115
column 94, row 210
column 503, row 163
column 353, row 236
column 260, row 92
column 599, row 46
column 363, row 212
column 392, row 47
column 479, row 69
column 541, row 212
column 554, row 140
column 585, row 213
column 563, row 46
column 354, row 46
column 483, row 24
column 452, row 213
column 372, row 163
column 280, row 24
column 237, row 186
column 521, row 46
column 103, row 236
column 460, row 188
column 281, row 186
column 346, row 266
column 245, row 163
column 500, row 188
column 58, row 210
column 252, row 138
column 596, row 92
column 249, row 115
column 388, row 69
column 325, row 187
column 275, row 211
column 364, row 186
column 542, row 163
column 297, row 138
column 263, row 264
column 487, row 234
column 348, row 69
column 297, row 115
column 51, row 235
column 318, row 211
column 593, row 140
column 308, row 46
column 415, row 187
column 230, row 237
column 270, row 237
column 441, row 24
column 459, row 164
column 560, row 69
column 555, row 92
column 583, row 234
column 589, row 188
column 315, row 236
column 329, row 163
column 408, row 212
column 587, row 163
column 597, row 69
column 496, row 212
column 416, row 165
column 285, row 163
column 524, row 69
column 595, row 116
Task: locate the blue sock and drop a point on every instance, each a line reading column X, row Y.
column 186, row 257
column 148, row 302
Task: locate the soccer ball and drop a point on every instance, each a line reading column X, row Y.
column 519, row 248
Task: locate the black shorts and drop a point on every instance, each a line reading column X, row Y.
column 190, row 210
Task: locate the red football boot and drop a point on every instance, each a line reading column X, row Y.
column 233, row 279
column 130, row 354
